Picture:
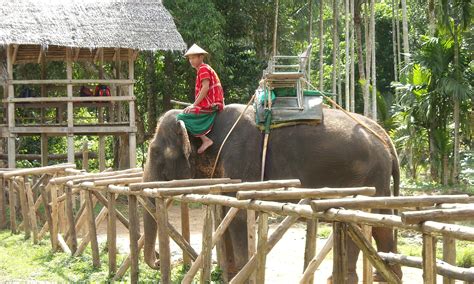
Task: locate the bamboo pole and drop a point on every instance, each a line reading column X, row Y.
column 89, row 177
column 24, row 207
column 38, row 171
column 219, row 188
column 3, row 204
column 429, row 259
column 70, row 218
column 331, row 215
column 188, row 278
column 310, row 246
column 207, row 245
column 302, row 193
column 415, row 217
column 118, row 181
column 134, row 231
column 339, row 271
column 112, row 234
column 361, row 241
column 92, row 230
column 316, row 261
column 442, row 268
column 262, row 247
column 249, row 267
column 32, row 212
column 164, row 241
column 182, row 183
column 387, row 202
column 185, row 230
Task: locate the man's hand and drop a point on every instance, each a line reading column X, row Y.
column 189, row 109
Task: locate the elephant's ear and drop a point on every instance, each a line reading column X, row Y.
column 185, row 138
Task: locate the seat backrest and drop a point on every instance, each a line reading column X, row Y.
column 304, row 58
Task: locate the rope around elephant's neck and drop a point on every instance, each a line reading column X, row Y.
column 228, row 134
column 351, row 116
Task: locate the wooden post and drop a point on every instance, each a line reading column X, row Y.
column 310, row 248
column 24, row 207
column 54, row 216
column 3, row 204
column 134, row 231
column 131, row 108
column 11, row 111
column 92, row 230
column 262, row 247
column 85, row 155
column 101, row 116
column 70, row 109
column 207, row 245
column 70, row 219
column 220, row 245
column 185, row 231
column 44, row 148
column 449, row 256
column 164, row 241
column 112, row 234
column 47, row 211
column 367, row 273
column 251, row 240
column 32, row 212
column 339, row 272
column 317, row 260
column 429, row 259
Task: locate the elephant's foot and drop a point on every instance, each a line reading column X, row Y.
column 377, row 277
column 351, row 278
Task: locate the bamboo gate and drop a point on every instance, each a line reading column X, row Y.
column 57, row 190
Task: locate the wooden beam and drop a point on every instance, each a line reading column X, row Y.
column 206, row 245
column 40, row 55
column 339, row 271
column 112, row 234
column 71, row 81
column 69, row 99
column 301, row 193
column 76, row 53
column 429, row 259
column 15, row 53
column 97, row 53
column 164, row 241
column 134, row 232
column 415, row 217
column 92, row 230
column 262, row 247
column 310, row 246
column 317, row 260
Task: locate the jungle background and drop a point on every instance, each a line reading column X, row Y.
column 417, row 84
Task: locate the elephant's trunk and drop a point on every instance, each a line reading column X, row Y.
column 150, row 240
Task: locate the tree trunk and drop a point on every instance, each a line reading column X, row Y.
column 374, row 72
column 310, row 37
column 352, row 91
column 335, row 47
column 368, row 58
column 170, row 79
column 348, row 56
column 456, row 111
column 431, row 17
column 433, row 154
column 275, row 30
column 151, row 92
column 394, row 44
column 358, row 31
column 406, row 49
column 321, row 45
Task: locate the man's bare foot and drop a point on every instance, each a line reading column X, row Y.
column 206, row 143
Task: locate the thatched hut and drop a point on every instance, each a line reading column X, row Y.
column 35, row 31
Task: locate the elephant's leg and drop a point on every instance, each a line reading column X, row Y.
column 385, row 240
column 235, row 240
column 149, row 225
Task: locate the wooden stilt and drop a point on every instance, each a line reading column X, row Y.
column 429, row 259
column 207, row 245
column 70, row 219
column 47, row 211
column 112, row 234
column 24, row 207
column 54, row 216
column 310, row 247
column 251, row 239
column 220, row 245
column 164, row 241
column 449, row 256
column 185, row 230
column 32, row 212
column 92, row 230
column 262, row 247
column 339, row 271
column 134, row 232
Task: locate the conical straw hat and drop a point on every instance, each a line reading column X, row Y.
column 195, row 49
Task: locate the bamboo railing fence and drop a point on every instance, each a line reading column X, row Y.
column 61, row 200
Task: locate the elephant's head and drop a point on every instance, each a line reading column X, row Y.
column 168, row 158
column 169, row 154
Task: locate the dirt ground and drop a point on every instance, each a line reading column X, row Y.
column 284, row 262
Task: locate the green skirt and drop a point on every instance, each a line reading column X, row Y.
column 198, row 124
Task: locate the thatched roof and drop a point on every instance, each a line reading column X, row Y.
column 133, row 24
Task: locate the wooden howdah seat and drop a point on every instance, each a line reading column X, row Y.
column 285, row 81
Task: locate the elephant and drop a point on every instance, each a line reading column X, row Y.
column 337, row 152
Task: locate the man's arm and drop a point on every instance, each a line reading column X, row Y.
column 202, row 95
